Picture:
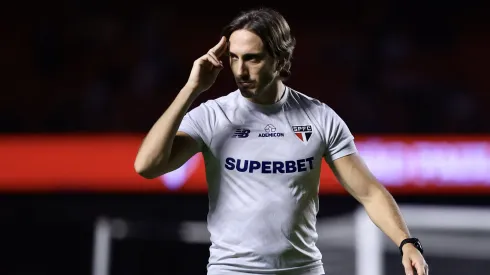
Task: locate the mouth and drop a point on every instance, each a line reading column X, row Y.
column 246, row 84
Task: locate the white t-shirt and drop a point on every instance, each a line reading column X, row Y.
column 263, row 168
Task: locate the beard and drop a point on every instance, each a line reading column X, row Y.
column 253, row 88
column 248, row 88
column 248, row 93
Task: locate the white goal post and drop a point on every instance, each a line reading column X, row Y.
column 370, row 241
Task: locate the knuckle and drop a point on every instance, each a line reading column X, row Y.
column 201, row 60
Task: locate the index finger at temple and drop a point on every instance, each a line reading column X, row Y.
column 220, row 48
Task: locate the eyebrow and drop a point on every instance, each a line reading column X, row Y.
column 249, row 55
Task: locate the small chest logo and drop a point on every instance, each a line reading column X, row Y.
column 241, row 133
column 303, row 132
column 270, row 131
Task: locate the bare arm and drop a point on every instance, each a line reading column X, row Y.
column 164, row 149
column 356, row 178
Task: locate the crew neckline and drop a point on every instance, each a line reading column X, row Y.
column 266, row 107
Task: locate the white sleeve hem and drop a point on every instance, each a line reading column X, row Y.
column 348, row 149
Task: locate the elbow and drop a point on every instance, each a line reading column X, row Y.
column 144, row 169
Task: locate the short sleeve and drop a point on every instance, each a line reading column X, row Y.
column 198, row 123
column 339, row 139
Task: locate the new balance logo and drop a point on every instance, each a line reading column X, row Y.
column 241, row 133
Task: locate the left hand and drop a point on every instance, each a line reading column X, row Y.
column 413, row 259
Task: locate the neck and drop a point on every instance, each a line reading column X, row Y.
column 271, row 94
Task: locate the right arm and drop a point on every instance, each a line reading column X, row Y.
column 164, row 149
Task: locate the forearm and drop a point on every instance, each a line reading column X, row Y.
column 156, row 146
column 384, row 212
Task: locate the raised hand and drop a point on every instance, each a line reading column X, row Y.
column 207, row 67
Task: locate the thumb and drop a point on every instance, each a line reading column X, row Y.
column 407, row 264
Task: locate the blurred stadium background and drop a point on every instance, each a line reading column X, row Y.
column 84, row 80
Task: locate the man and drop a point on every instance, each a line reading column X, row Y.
column 263, row 146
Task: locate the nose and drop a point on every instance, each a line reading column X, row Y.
column 242, row 70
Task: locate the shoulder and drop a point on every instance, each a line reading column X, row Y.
column 222, row 102
column 211, row 106
column 313, row 104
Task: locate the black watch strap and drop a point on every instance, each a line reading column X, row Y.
column 413, row 241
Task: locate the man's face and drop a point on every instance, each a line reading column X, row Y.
column 253, row 68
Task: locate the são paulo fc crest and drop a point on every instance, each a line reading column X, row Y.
column 303, row 132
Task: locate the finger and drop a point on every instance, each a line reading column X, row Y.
column 207, row 60
column 220, row 48
column 426, row 267
column 211, row 55
column 407, row 265
column 211, row 58
column 420, row 269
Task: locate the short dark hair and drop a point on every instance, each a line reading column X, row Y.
column 274, row 31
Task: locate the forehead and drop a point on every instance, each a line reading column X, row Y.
column 244, row 41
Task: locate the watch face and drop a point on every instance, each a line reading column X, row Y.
column 415, row 242
column 418, row 245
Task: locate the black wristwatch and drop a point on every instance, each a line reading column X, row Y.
column 413, row 241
